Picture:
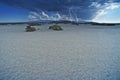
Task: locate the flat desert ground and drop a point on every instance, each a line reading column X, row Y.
column 83, row 52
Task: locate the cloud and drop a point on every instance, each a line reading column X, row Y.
column 112, row 6
column 33, row 16
column 95, row 4
column 36, row 16
column 99, row 14
column 45, row 15
column 105, row 9
column 63, row 9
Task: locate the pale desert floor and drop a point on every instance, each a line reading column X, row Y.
column 83, row 52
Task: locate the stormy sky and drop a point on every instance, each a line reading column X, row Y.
column 73, row 10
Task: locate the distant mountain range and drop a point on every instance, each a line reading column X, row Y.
column 60, row 21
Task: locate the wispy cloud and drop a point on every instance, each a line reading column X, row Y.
column 95, row 4
column 83, row 9
column 112, row 6
column 64, row 9
column 33, row 16
column 100, row 13
column 44, row 15
column 104, row 10
column 36, row 16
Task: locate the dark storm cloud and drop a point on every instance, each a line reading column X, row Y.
column 83, row 9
